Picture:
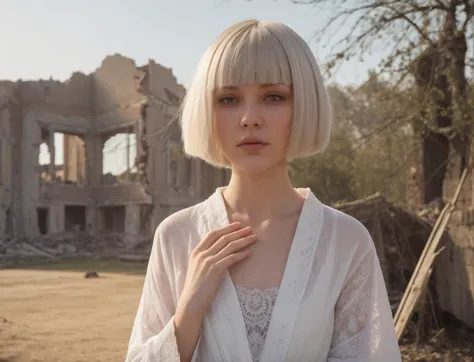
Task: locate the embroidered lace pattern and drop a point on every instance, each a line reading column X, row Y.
column 357, row 324
column 257, row 306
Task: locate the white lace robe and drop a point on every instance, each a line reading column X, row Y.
column 332, row 303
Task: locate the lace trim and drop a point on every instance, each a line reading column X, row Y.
column 257, row 307
column 169, row 350
column 357, row 326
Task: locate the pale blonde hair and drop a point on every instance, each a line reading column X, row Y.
column 257, row 52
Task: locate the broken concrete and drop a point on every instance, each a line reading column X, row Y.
column 74, row 245
column 58, row 169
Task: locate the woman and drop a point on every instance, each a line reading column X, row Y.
column 261, row 271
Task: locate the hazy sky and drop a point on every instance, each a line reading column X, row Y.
column 53, row 38
column 43, row 38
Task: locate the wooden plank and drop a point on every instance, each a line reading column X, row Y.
column 426, row 250
column 420, row 278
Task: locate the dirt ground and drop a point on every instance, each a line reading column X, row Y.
column 52, row 313
column 59, row 316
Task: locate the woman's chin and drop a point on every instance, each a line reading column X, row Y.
column 255, row 164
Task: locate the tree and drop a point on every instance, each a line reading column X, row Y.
column 427, row 50
column 379, row 114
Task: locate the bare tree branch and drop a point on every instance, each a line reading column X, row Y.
column 411, row 22
column 390, row 21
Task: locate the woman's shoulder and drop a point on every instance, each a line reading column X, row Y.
column 347, row 229
column 181, row 221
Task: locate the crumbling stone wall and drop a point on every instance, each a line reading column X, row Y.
column 118, row 97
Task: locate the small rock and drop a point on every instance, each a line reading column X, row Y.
column 91, row 275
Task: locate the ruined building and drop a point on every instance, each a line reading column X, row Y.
column 96, row 153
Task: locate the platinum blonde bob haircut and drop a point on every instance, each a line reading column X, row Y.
column 257, row 52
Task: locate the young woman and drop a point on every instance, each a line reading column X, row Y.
column 261, row 271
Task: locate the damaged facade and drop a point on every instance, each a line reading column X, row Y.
column 96, row 153
column 455, row 265
column 454, row 271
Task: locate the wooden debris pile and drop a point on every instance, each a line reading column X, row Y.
column 430, row 211
column 15, row 251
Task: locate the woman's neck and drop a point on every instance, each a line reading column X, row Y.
column 260, row 196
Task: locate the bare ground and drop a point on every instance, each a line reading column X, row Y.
column 59, row 316
column 52, row 313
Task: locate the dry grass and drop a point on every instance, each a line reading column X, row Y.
column 57, row 315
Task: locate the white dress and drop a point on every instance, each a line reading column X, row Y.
column 331, row 305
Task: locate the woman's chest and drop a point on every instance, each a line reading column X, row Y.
column 265, row 267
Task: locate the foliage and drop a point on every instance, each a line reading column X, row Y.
column 369, row 148
column 329, row 174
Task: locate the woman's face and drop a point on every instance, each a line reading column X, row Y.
column 253, row 123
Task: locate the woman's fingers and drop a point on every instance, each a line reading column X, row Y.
column 224, row 240
column 231, row 259
column 216, row 234
column 235, row 247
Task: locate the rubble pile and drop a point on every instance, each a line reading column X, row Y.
column 74, row 245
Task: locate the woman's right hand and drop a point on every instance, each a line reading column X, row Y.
column 214, row 254
column 220, row 249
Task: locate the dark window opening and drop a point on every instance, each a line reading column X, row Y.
column 75, row 218
column 42, row 213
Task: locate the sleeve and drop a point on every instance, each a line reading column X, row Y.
column 364, row 329
column 153, row 334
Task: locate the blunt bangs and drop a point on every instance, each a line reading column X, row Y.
column 253, row 55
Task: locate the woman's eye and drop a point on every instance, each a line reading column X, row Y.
column 227, row 100
column 274, row 97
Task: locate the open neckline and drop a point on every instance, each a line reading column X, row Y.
column 286, row 284
column 225, row 318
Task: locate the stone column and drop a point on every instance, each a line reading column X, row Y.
column 52, row 153
column 132, row 218
column 56, row 218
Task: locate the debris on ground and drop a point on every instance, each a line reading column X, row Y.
column 89, row 275
column 73, row 245
column 454, row 345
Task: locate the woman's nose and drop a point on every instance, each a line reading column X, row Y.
column 251, row 118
